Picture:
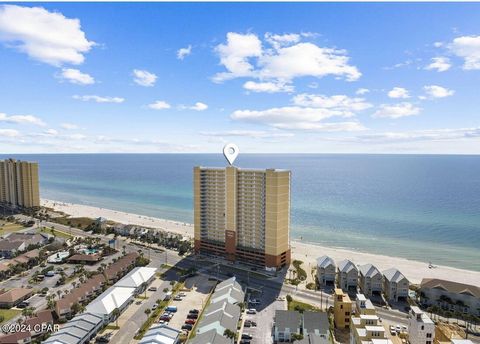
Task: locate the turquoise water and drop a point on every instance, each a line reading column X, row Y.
column 421, row 207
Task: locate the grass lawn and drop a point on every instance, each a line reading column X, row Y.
column 8, row 227
column 78, row 222
column 57, row 233
column 8, row 314
column 296, row 305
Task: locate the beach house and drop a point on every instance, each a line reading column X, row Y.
column 370, row 280
column 421, row 329
column 395, row 285
column 326, row 271
column 347, row 275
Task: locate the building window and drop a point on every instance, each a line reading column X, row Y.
column 423, row 327
column 428, row 342
column 429, row 335
column 341, row 306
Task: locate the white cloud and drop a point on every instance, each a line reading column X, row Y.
column 397, row 110
column 440, row 64
column 422, row 135
column 44, row 36
column 362, row 91
column 398, row 92
column 159, row 105
column 74, row 76
column 289, row 58
column 467, row 47
column 183, row 52
column 341, row 103
column 254, row 134
column 296, row 117
column 278, row 41
column 144, row 78
column 9, row 133
column 69, row 126
column 434, row 91
column 21, row 119
column 51, row 132
column 199, row 106
column 235, row 54
column 99, row 99
column 76, row 137
column 268, row 87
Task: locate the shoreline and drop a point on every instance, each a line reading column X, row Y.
column 413, row 270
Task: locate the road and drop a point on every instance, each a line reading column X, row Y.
column 211, row 267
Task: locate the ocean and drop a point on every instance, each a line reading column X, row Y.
column 420, row 207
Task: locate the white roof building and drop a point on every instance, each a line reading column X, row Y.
column 160, row 334
column 114, row 297
column 137, row 277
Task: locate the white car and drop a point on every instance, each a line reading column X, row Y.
column 398, row 328
column 252, row 311
column 392, row 330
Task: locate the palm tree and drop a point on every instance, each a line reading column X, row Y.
column 148, row 311
column 116, row 315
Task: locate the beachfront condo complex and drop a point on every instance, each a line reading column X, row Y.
column 243, row 214
column 19, row 183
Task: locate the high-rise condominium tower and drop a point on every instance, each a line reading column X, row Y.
column 243, row 214
column 19, row 183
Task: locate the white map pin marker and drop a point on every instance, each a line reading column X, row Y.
column 230, row 151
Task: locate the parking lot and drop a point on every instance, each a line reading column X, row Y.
column 196, row 292
column 262, row 332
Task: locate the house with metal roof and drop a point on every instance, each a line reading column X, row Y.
column 326, row 271
column 370, row 280
column 139, row 278
column 81, row 329
column 449, row 295
column 220, row 319
column 395, row 285
column 347, row 275
column 161, row 334
column 229, row 290
column 114, row 297
column 211, row 337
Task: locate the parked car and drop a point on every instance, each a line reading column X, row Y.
column 392, row 330
column 187, row 327
column 194, row 311
column 192, row 316
column 190, row 321
column 398, row 328
column 177, row 298
column 252, row 311
column 246, row 336
column 245, row 341
column 154, row 307
column 152, row 289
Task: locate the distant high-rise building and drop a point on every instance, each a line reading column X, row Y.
column 243, row 214
column 19, row 183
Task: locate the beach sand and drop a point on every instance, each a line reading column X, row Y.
column 307, row 252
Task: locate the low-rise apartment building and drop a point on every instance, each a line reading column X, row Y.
column 370, row 280
column 14, row 296
column 421, row 329
column 326, row 271
column 449, row 295
column 80, row 330
column 342, row 309
column 395, row 285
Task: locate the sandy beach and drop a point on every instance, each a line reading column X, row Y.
column 306, row 252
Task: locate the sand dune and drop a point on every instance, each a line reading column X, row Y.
column 306, row 252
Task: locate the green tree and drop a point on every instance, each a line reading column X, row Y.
column 116, row 315
column 229, row 333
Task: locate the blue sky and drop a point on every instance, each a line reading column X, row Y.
column 307, row 77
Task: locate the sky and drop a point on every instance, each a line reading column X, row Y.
column 269, row 77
